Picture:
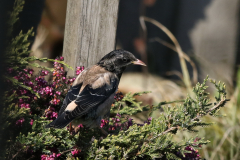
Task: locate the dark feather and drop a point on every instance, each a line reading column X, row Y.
column 90, row 98
column 71, row 96
column 60, row 122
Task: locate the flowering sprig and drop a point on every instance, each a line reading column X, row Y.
column 20, row 121
column 51, row 94
column 79, row 69
column 75, row 152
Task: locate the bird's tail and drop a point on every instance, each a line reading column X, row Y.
column 60, row 122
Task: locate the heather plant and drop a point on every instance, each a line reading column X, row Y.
column 31, row 102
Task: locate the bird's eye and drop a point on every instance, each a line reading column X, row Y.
column 124, row 60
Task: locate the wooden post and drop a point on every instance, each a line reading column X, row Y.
column 90, row 31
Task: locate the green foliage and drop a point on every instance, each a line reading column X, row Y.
column 224, row 133
column 17, row 8
column 155, row 140
column 44, row 139
column 148, row 141
column 128, row 105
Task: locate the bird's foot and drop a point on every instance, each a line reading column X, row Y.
column 73, row 129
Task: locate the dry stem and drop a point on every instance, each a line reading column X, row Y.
column 186, row 57
column 186, row 78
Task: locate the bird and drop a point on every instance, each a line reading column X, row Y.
column 92, row 93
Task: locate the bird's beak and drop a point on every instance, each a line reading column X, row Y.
column 138, row 62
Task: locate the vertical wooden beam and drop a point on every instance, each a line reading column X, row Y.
column 90, row 31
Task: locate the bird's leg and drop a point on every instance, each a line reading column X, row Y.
column 70, row 127
column 108, row 116
column 103, row 131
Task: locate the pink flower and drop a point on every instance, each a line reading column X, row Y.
column 80, row 126
column 130, row 122
column 31, row 122
column 118, row 96
column 20, row 121
column 61, row 58
column 194, row 153
column 48, row 90
column 54, row 114
column 51, row 157
column 9, row 70
column 44, row 157
column 59, row 93
column 111, row 128
column 148, row 120
column 30, row 72
column 75, row 152
column 20, row 100
column 103, row 123
column 50, row 114
column 27, row 106
column 79, row 70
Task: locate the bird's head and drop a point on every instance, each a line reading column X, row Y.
column 118, row 60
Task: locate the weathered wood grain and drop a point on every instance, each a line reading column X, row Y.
column 90, row 31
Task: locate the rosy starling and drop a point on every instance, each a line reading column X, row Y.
column 92, row 93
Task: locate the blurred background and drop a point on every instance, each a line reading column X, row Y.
column 207, row 31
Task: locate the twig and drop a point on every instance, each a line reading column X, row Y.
column 16, row 154
column 143, row 52
column 68, row 150
column 186, row 57
column 211, row 109
column 165, row 132
column 31, row 157
column 218, row 105
column 177, row 73
column 168, row 130
column 177, row 101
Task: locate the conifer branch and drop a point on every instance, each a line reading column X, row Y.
column 219, row 104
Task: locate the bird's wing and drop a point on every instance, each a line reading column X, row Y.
column 93, row 94
column 71, row 96
column 73, row 91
